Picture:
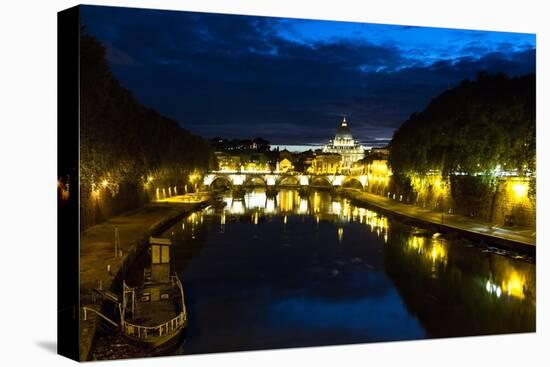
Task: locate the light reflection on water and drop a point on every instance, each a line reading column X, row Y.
column 291, row 269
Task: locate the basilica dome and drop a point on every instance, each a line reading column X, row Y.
column 344, row 145
column 343, row 131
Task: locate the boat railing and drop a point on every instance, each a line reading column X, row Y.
column 144, row 332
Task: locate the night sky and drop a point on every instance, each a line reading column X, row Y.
column 291, row 80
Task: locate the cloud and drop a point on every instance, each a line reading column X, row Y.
column 237, row 76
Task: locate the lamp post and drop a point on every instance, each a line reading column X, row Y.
column 117, row 241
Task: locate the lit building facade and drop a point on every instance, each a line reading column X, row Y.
column 228, row 162
column 326, row 164
column 343, row 144
column 285, row 165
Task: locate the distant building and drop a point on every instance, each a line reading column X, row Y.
column 343, row 144
column 285, row 165
column 228, row 162
column 303, row 160
column 326, row 163
column 242, row 161
column 256, row 145
column 255, row 162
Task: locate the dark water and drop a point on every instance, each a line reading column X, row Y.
column 294, row 271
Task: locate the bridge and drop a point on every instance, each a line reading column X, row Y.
column 274, row 179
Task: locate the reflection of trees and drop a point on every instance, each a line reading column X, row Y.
column 189, row 236
column 441, row 285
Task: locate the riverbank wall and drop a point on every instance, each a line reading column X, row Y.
column 99, row 268
column 105, row 202
column 519, row 239
column 509, row 200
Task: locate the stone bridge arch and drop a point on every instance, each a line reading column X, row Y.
column 354, row 182
column 320, row 181
column 219, row 179
column 255, row 180
column 288, row 180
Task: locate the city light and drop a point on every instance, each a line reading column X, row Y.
column 513, row 285
column 520, row 189
column 493, row 288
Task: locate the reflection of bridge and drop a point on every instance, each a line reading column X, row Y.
column 280, row 179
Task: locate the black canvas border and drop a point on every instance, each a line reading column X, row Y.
column 68, row 219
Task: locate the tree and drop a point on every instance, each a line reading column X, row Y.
column 477, row 127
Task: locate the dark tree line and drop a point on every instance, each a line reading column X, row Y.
column 127, row 151
column 474, row 128
column 122, row 139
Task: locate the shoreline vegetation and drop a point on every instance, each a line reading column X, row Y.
column 128, row 152
column 472, row 151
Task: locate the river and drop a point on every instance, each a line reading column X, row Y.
column 295, row 270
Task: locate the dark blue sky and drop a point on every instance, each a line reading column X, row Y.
column 291, row 80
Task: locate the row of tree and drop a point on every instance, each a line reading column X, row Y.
column 478, row 127
column 123, row 143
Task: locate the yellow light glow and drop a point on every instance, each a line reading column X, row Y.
column 514, row 284
column 270, row 205
column 438, row 251
column 287, row 200
column 520, row 189
column 237, row 207
column 104, row 183
column 302, row 209
column 416, row 243
column 316, row 203
column 340, row 234
column 336, row 207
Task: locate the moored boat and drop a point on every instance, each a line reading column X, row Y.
column 154, row 313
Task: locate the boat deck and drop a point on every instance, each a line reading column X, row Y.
column 154, row 312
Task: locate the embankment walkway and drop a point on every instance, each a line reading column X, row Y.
column 522, row 236
column 97, row 252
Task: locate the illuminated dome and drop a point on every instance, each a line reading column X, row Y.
column 343, row 144
column 343, row 131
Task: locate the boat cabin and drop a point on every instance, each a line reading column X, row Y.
column 160, row 259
